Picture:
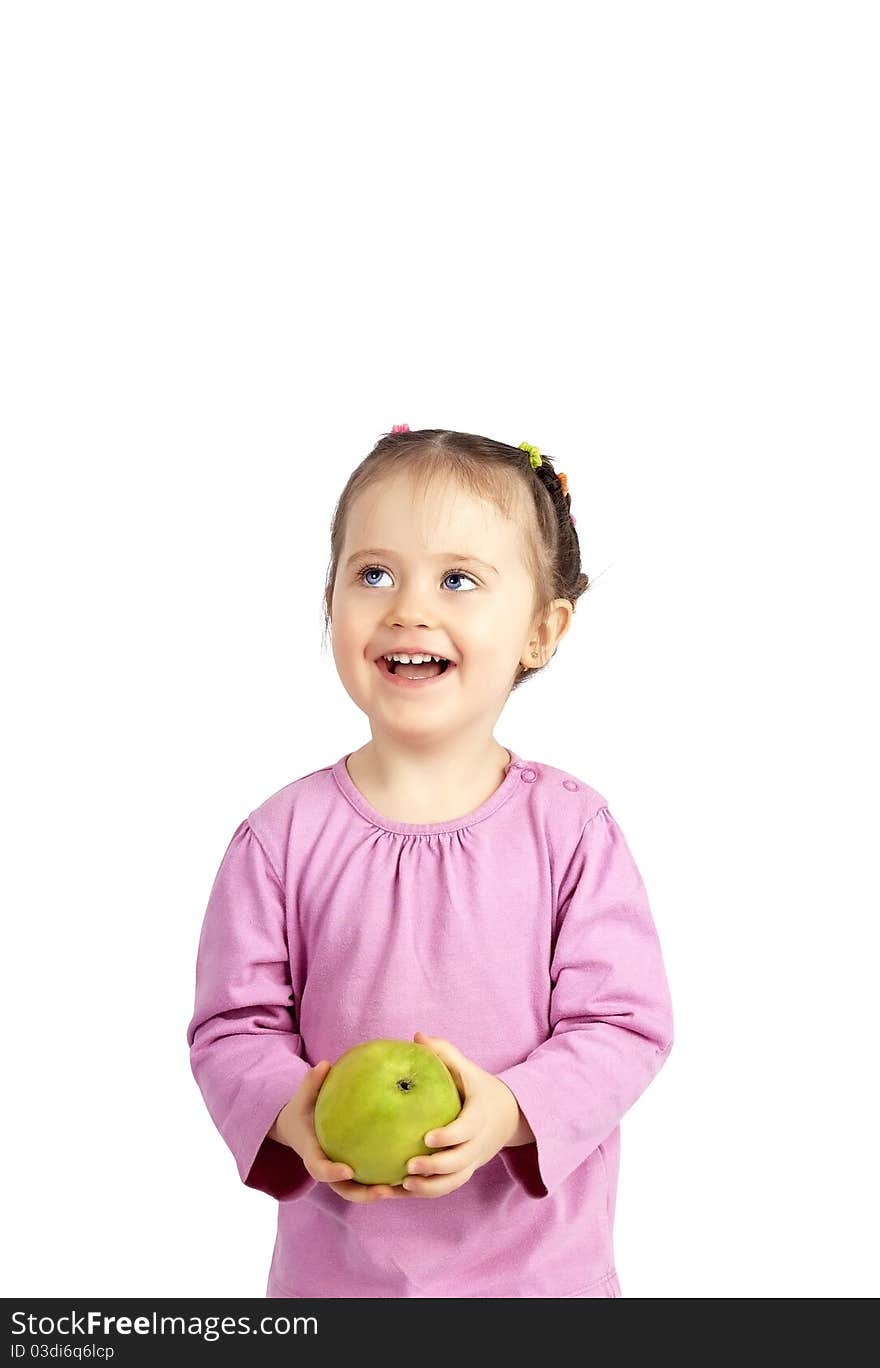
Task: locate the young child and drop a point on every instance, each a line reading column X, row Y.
column 435, row 886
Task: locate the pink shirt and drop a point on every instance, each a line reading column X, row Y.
column 521, row 933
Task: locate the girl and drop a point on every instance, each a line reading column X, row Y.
column 435, row 886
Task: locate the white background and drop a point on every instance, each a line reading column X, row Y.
column 241, row 241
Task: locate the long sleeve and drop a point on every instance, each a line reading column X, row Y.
column 610, row 1013
column 245, row 1048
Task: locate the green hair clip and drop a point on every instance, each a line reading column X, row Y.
column 535, row 461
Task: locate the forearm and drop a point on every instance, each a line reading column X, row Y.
column 520, row 1131
column 523, row 1135
column 279, row 1131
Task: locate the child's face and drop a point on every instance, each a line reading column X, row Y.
column 421, row 591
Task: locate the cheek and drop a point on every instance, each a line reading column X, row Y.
column 349, row 632
column 492, row 638
column 348, row 650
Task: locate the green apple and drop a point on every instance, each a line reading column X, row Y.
column 377, row 1104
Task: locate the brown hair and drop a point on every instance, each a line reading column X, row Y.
column 491, row 470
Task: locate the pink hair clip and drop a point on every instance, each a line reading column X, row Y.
column 401, row 427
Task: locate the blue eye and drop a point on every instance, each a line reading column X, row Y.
column 459, row 574
column 371, row 570
column 378, row 570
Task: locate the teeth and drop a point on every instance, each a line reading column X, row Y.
column 414, row 659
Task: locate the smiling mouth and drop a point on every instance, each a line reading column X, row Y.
column 414, row 673
column 408, row 670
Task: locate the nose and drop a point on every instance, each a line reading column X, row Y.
column 406, row 610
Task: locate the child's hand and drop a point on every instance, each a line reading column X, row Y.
column 487, row 1122
column 295, row 1126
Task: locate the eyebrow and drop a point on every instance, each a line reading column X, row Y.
column 440, row 555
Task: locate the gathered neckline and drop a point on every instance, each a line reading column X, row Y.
column 352, row 793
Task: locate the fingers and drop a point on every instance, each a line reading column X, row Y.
column 440, row 1184
column 455, row 1133
column 311, row 1084
column 457, row 1063
column 365, row 1192
column 322, row 1169
column 465, row 1126
column 444, row 1161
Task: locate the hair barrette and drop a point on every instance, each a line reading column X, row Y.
column 534, row 454
column 535, row 461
